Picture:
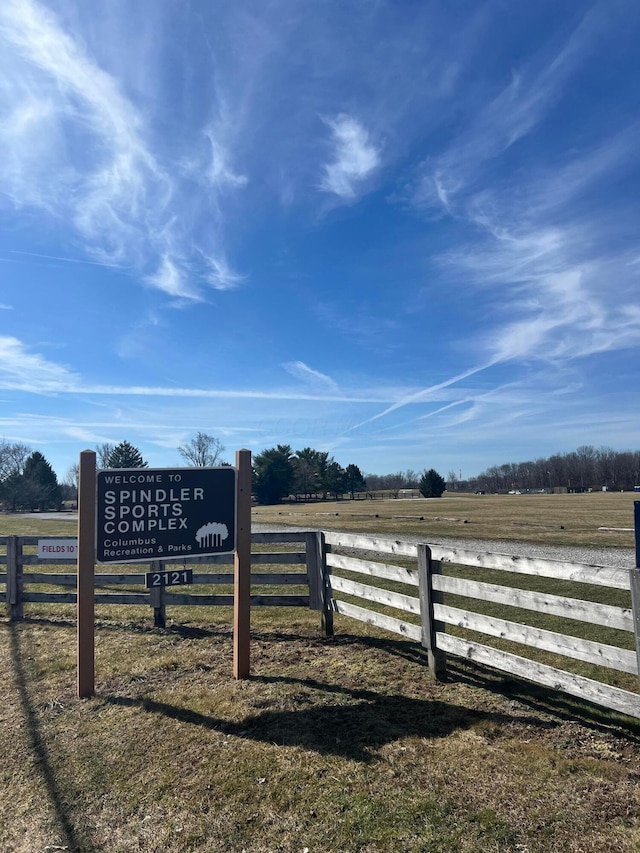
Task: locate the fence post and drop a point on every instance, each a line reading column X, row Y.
column 317, row 577
column 634, row 582
column 436, row 660
column 326, row 619
column 14, row 578
column 156, row 598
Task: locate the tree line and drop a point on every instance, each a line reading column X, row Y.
column 280, row 472
column 585, row 468
column 28, row 482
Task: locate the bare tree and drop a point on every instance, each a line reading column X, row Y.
column 103, row 452
column 71, row 477
column 203, row 451
column 13, row 455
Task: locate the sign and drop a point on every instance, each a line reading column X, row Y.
column 148, row 514
column 168, row 578
column 57, row 549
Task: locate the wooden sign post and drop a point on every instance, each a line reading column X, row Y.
column 130, row 529
column 86, row 571
column 242, row 569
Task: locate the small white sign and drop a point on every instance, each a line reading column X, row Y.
column 57, row 549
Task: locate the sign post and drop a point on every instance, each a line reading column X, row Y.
column 86, row 570
column 146, row 515
column 242, row 570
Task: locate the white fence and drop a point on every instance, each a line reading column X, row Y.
column 437, row 605
column 416, row 597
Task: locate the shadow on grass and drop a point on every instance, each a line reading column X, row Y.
column 72, row 838
column 405, row 649
column 184, row 631
column 339, row 721
column 539, row 699
column 543, row 700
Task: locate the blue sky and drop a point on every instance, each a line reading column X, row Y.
column 403, row 232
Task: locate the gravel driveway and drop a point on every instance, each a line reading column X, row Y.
column 623, row 558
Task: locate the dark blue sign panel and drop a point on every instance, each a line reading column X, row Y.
column 164, row 513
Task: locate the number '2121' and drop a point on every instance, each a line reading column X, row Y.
column 169, row 578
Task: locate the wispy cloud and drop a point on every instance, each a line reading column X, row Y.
column 538, row 240
column 77, row 148
column 509, row 115
column 555, row 283
column 220, row 172
column 22, row 370
column 354, row 158
column 218, row 272
column 302, row 371
column 171, row 279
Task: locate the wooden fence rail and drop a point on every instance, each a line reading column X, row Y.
column 416, row 597
column 444, row 599
column 19, row 583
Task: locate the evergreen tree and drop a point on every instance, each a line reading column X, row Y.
column 354, row 480
column 273, row 474
column 432, row 485
column 335, row 479
column 13, row 492
column 41, row 488
column 310, row 467
column 125, row 455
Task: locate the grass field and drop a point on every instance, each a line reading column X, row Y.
column 332, row 745
column 547, row 519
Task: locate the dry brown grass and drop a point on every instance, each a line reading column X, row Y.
column 547, row 519
column 332, row 745
column 339, row 745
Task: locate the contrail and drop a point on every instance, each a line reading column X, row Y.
column 59, row 258
column 419, row 395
